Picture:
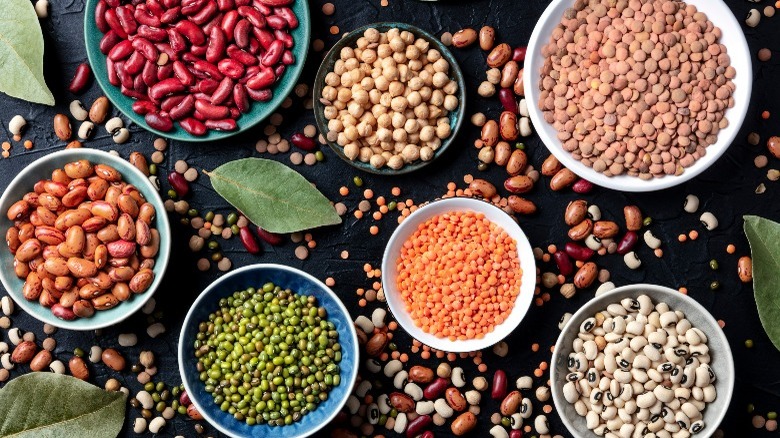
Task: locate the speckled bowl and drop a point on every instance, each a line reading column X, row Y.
column 258, row 112
column 41, row 169
column 722, row 362
column 456, row 117
column 256, row 276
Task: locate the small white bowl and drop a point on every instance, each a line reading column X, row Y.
column 409, row 226
column 722, row 362
column 734, row 40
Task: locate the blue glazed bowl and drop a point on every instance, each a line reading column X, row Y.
column 299, row 282
column 41, row 169
column 258, row 112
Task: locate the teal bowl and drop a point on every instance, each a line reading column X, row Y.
column 288, row 278
column 350, row 39
column 258, row 112
column 42, row 169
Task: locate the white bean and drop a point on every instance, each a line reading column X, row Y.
column 42, row 8
column 541, row 425
column 363, row 388
column 7, row 305
column 498, row 431
column 400, row 379
column 525, row 127
column 121, row 135
column 139, row 425
column 709, row 221
column 632, row 260
column 392, row 367
column 373, row 365
column 378, row 317
column 372, row 413
column 145, row 399
column 413, row 390
column 5, row 361
column 156, row 425
column 127, row 339
column 57, row 367
column 400, row 423
column 16, row 125
column 78, row 111
column 15, row 335
column 442, row 408
column 155, row 330
column 424, row 407
column 365, row 324
column 458, row 377
column 114, row 124
column 524, row 382
column 353, row 404
column 691, row 203
column 651, row 241
column 94, row 354
column 86, row 129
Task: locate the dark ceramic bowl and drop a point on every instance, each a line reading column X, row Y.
column 255, row 276
column 456, row 117
column 258, row 112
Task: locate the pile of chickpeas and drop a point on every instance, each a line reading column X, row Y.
column 388, row 99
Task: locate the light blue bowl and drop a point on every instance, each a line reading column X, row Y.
column 288, row 278
column 42, row 169
column 258, row 112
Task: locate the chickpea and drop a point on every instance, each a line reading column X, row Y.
column 451, row 87
column 434, row 55
column 412, row 52
column 338, row 67
column 356, row 76
column 383, row 51
column 339, row 105
column 398, row 103
column 434, row 111
column 437, row 98
column 335, row 125
column 384, row 134
column 390, row 73
column 392, row 33
column 365, row 154
column 332, row 79
column 407, row 37
column 373, row 96
column 377, row 161
column 440, row 79
column 442, row 131
column 398, row 147
column 384, row 120
column 348, row 120
column 395, row 162
column 371, row 35
column 478, row 119
column 351, row 64
column 425, row 93
column 382, row 83
column 411, row 126
column 450, row 102
column 347, row 53
column 362, row 42
column 422, row 44
column 416, row 83
column 346, row 79
column 410, row 153
column 341, row 139
column 368, row 56
column 421, row 111
column 414, row 98
column 413, row 138
column 415, row 65
column 396, row 88
column 351, row 150
column 426, row 153
column 360, row 97
column 426, row 77
column 376, row 71
column 441, row 65
column 330, row 112
column 329, row 93
column 486, row 89
column 365, row 130
column 352, row 134
column 399, row 58
column 403, row 73
column 385, row 99
column 398, row 120
column 387, row 155
column 427, row 133
column 399, row 134
column 435, row 143
column 493, row 76
column 355, row 109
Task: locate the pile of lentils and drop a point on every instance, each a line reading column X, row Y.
column 636, row 87
column 269, row 355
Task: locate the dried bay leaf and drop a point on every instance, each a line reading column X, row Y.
column 764, row 238
column 273, row 196
column 21, row 53
column 49, row 405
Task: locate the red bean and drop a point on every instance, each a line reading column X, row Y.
column 279, row 71
column 579, row 252
column 231, row 68
column 269, row 237
column 80, row 78
column 284, row 37
column 146, row 48
column 515, row 433
column 276, row 22
column 241, row 33
column 264, row 79
column 171, row 15
column 435, row 388
column 627, row 243
column 121, row 51
column 158, row 9
column 417, row 425
column 507, row 98
column 562, row 260
column 241, row 98
column 303, row 142
column 498, row 392
column 221, row 125
column 264, row 9
column 170, row 102
column 208, row 69
column 216, row 46
column 108, row 41
column 241, row 56
column 274, row 54
column 229, row 21
column 143, row 107
column 159, row 121
column 287, row 58
column 582, row 186
column 211, row 112
column 252, row 15
column 152, row 33
column 135, row 63
column 274, row 3
column 205, row 14
column 207, row 86
column 164, row 71
column 193, row 126
column 182, row 73
column 131, row 92
column 223, row 92
column 260, row 95
column 192, row 7
column 288, row 15
column 199, row 51
column 166, row 87
column 149, row 73
column 179, row 184
column 226, row 5
column 184, row 398
column 146, row 17
column 264, row 37
column 518, row 55
column 249, row 241
column 100, row 16
column 192, row 32
column 126, row 19
column 126, row 79
column 183, row 108
column 63, row 312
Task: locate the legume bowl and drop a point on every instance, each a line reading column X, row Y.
column 268, row 350
column 459, row 274
column 642, row 358
column 87, row 239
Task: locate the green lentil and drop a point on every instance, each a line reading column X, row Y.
column 232, row 218
column 748, row 343
column 192, row 212
column 319, row 156
column 647, row 221
column 714, row 265
column 482, row 167
column 358, row 181
column 209, row 216
column 771, row 415
column 153, row 169
column 185, row 221
column 213, row 245
column 160, row 386
column 750, row 408
column 235, row 229
column 172, row 194
column 160, row 406
column 149, row 387
column 715, row 285
column 268, row 356
column 217, row 256
column 392, row 205
column 520, row 146
column 506, row 422
column 78, row 352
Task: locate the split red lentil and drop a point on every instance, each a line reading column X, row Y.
column 459, row 275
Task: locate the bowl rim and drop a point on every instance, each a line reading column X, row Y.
column 149, row 192
column 280, row 93
column 213, row 286
column 626, row 183
column 455, row 71
column 611, row 297
column 522, row 304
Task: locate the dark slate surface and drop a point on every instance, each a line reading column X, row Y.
column 727, row 189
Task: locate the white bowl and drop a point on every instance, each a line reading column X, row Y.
column 734, row 40
column 409, row 226
column 722, row 362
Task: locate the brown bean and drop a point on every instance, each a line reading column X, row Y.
column 376, row 344
column 97, row 189
column 121, row 274
column 581, row 230
column 68, row 298
column 502, row 152
column 105, row 210
column 421, row 374
column 401, row 402
column 26, row 232
column 551, row 166
column 41, row 361
column 50, row 202
column 464, row 38
column 104, row 302
column 79, row 169
column 463, row 424
column 83, row 309
column 63, row 283
column 94, row 224
column 150, row 250
column 499, row 55
column 102, row 280
column 508, row 126
column 46, row 216
column 57, row 266
column 112, row 194
column 33, row 287
column 24, row 352
column 70, row 218
column 510, row 403
column 18, row 210
column 519, row 86
column 78, row 368
column 49, row 235
column 605, row 229
column 138, row 160
column 29, row 250
column 128, row 204
column 62, row 127
column 576, row 212
column 81, row 268
column 455, row 399
column 490, row 132
column 12, row 239
column 517, row 162
column 586, row 275
column 745, row 269
column 633, row 217
column 509, row 74
column 483, row 188
column 146, row 213
column 75, row 239
column 143, row 234
column 107, row 172
column 22, row 270
column 521, row 205
column 121, row 291
column 562, row 179
column 487, row 38
column 99, row 110
column 126, row 227
column 518, row 184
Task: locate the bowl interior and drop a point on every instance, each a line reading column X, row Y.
column 334, row 54
column 722, row 362
column 734, row 40
column 41, row 169
column 258, row 112
column 256, row 276
column 409, row 226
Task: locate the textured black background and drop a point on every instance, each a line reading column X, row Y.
column 727, row 189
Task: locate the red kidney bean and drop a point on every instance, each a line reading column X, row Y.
column 183, row 108
column 252, row 15
column 579, row 252
column 176, row 40
column 126, row 79
column 303, row 142
column 152, row 33
column 215, row 49
column 109, row 40
column 179, row 184
column 241, row 98
column 145, row 17
column 100, row 16
column 264, row 9
column 498, row 392
column 199, row 51
column 170, row 102
column 276, row 22
column 211, row 112
column 80, row 78
column 159, row 121
column 269, row 237
column 62, row 312
column 241, row 56
column 562, row 260
column 139, row 85
column 435, row 388
column 221, row 125
column 143, row 107
column 121, row 51
column 164, row 71
column 192, row 7
column 627, row 243
column 260, row 95
column 226, row 5
column 113, row 3
column 241, row 33
column 582, row 186
column 113, row 77
column 284, row 37
column 228, row 24
column 146, row 48
column 262, row 80
column 149, row 73
column 231, row 68
column 167, row 49
column 417, row 425
column 515, row 433
column 249, row 241
column 223, row 92
column 288, row 15
column 126, row 19
column 254, row 46
column 192, row 32
column 130, row 92
column 216, row 21
column 518, row 54
column 165, row 87
column 273, row 55
column 207, row 86
column 135, row 63
column 182, row 73
column 208, row 69
column 279, row 70
column 206, row 13
column 507, row 98
column 193, row 126
column 275, row 3
column 157, row 9
column 287, row 58
column 264, row 37
column 170, row 15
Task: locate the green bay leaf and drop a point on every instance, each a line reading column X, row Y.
column 764, row 238
column 49, row 405
column 273, row 196
column 21, row 53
